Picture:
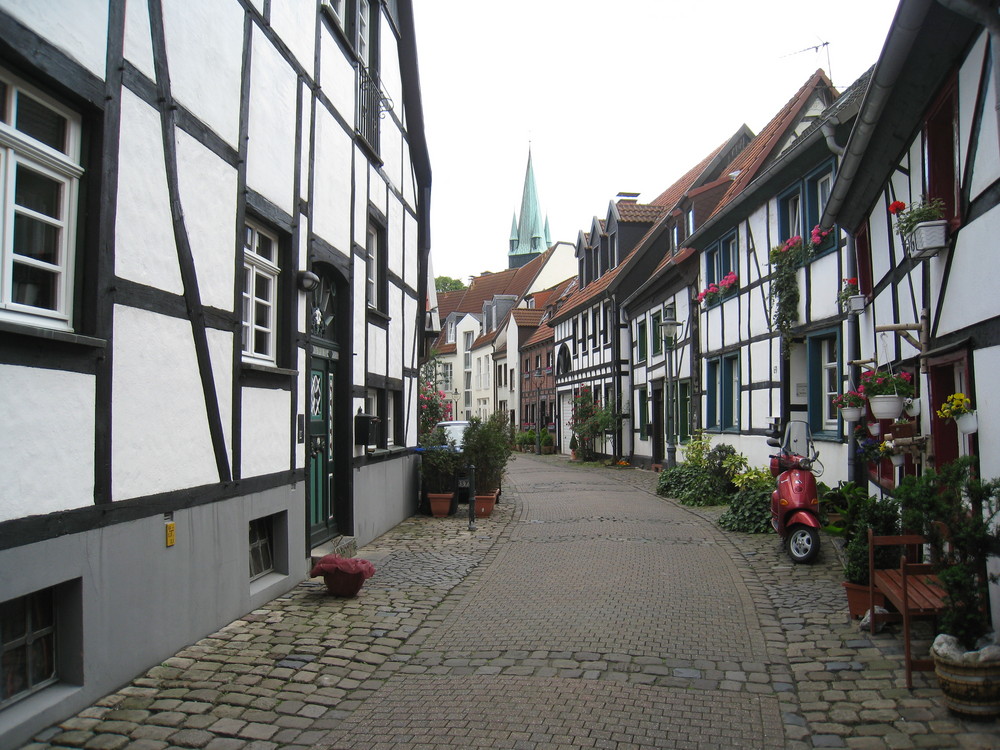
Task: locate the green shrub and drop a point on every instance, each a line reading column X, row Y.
column 750, row 508
column 693, row 485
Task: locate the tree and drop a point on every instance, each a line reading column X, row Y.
column 590, row 420
column 448, row 284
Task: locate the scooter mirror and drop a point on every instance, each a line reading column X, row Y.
column 774, row 442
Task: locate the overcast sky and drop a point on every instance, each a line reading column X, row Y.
column 613, row 96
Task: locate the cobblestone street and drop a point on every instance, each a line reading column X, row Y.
column 586, row 612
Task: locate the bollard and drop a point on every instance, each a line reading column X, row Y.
column 471, row 473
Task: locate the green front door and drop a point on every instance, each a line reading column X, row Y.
column 320, row 447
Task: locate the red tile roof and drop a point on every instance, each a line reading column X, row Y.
column 761, row 148
column 643, row 213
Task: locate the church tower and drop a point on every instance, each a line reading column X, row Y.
column 529, row 232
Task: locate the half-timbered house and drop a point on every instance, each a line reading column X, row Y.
column 928, row 130
column 212, row 287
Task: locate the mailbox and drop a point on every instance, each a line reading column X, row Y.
column 366, row 427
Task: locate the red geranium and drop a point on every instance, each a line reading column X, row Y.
column 896, row 206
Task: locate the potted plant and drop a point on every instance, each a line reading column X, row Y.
column 439, row 465
column 487, row 447
column 851, row 405
column 858, row 512
column 886, row 391
column 921, row 226
column 849, row 297
column 547, row 443
column 956, row 511
column 573, row 446
column 343, row 576
column 958, row 406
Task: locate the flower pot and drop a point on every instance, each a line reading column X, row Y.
column 970, row 688
column 903, row 429
column 857, row 599
column 886, row 406
column 967, row 423
column 928, row 239
column 912, row 407
column 856, row 303
column 340, row 583
column 484, row 504
column 440, row 503
column 898, row 459
column 851, row 413
column 875, row 429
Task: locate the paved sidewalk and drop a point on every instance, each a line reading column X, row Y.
column 586, row 612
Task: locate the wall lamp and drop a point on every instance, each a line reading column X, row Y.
column 307, row 280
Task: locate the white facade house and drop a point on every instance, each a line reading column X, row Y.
column 930, row 133
column 214, row 256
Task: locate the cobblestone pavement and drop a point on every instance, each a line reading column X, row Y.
column 586, row 612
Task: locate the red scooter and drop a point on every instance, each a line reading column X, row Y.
column 794, row 502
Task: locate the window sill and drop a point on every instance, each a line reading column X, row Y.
column 378, row 317
column 268, row 369
column 52, row 334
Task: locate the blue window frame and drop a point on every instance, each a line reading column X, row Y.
column 722, row 386
column 825, row 380
column 790, row 214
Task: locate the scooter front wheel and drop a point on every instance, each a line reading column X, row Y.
column 803, row 544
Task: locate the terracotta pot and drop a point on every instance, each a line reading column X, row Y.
column 969, row 689
column 440, row 503
column 484, row 504
column 857, row 599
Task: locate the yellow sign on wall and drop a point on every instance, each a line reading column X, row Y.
column 171, row 533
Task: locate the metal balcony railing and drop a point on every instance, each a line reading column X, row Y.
column 373, row 102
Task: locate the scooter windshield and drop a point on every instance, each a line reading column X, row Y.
column 798, row 439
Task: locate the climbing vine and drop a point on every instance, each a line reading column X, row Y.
column 786, row 259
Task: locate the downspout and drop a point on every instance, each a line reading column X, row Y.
column 855, row 468
column 828, row 129
column 616, row 436
column 622, row 313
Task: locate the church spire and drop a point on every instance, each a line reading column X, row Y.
column 530, row 231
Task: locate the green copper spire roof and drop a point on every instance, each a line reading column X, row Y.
column 530, row 230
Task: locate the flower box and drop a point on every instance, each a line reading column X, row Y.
column 928, row 239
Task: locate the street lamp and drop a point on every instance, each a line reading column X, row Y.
column 538, row 411
column 668, row 330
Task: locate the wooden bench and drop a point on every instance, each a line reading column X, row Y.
column 912, row 589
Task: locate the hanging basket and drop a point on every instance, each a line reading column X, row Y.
column 898, row 459
column 968, row 423
column 886, row 406
column 874, row 429
column 851, row 413
column 912, row 407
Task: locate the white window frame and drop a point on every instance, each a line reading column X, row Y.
column 364, row 38
column 256, row 266
column 18, row 148
column 388, row 418
column 447, row 374
column 336, row 10
column 450, row 337
column 371, row 267
column 831, row 381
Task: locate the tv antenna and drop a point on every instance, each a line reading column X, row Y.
column 816, row 48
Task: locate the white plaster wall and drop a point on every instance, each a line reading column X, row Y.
column 332, row 183
column 560, row 266
column 159, row 426
column 266, row 418
column 220, row 350
column 398, row 351
column 306, row 155
column 760, row 367
column 77, row 27
column 396, row 259
column 389, row 65
column 376, row 351
column 409, row 316
column 825, row 282
column 337, row 76
column 360, row 324
column 46, row 441
column 295, row 22
column 378, row 192
column 391, row 149
column 411, row 267
column 271, row 145
column 362, row 192
column 138, row 44
column 145, row 250
column 971, row 294
column 208, row 198
column 409, row 179
column 205, row 78
column 761, row 407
